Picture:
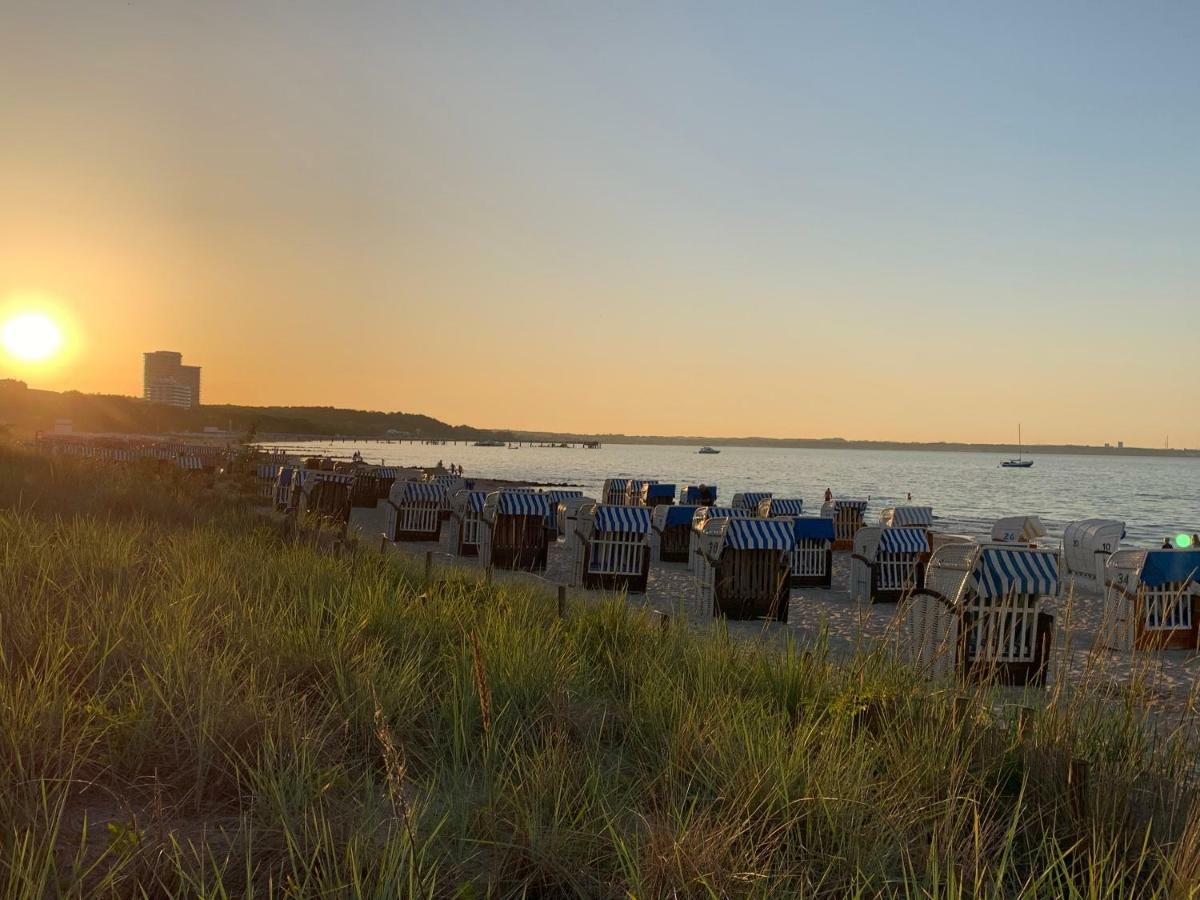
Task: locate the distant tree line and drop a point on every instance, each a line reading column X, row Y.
column 38, row 410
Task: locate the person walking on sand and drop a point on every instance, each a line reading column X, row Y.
column 828, row 494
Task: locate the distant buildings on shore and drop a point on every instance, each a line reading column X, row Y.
column 168, row 380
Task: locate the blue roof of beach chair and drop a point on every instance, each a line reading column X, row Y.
column 812, row 528
column 680, row 515
column 1170, row 567
column 693, row 492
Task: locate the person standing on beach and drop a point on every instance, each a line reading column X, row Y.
column 828, row 494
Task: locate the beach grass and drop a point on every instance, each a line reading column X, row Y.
column 194, row 701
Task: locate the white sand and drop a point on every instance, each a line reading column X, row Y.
column 1079, row 654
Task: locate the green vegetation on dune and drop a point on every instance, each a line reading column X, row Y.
column 193, row 703
column 35, row 410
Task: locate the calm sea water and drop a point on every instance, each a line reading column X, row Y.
column 1155, row 497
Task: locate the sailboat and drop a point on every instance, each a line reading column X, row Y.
column 1017, row 463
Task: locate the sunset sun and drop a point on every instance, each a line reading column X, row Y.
column 31, row 337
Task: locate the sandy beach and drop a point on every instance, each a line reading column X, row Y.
column 1165, row 679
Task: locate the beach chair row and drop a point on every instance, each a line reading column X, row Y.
column 968, row 605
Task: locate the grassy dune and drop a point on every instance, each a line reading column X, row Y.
column 192, row 703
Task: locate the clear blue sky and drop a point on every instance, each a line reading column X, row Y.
column 542, row 215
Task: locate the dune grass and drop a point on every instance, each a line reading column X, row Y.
column 191, row 703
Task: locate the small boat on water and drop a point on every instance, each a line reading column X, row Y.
column 708, row 450
column 1018, row 462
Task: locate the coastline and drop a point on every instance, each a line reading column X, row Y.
column 524, row 437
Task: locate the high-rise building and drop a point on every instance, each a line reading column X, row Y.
column 168, row 380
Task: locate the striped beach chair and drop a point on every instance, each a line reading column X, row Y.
column 385, row 477
column 614, row 491
column 634, row 489
column 848, row 516
column 326, row 494
column 749, row 500
column 746, row 567
column 610, row 548
column 698, row 495
column 812, row 556
column 672, row 532
column 553, row 498
column 982, row 613
column 779, row 507
column 701, row 515
column 1154, row 596
column 513, row 532
column 906, row 517
column 887, row 563
column 414, row 511
column 466, row 508
column 451, row 484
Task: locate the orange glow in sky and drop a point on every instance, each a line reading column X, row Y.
column 796, row 222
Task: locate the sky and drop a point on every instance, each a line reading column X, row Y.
column 908, row 221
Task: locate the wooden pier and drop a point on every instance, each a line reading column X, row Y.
column 270, row 439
